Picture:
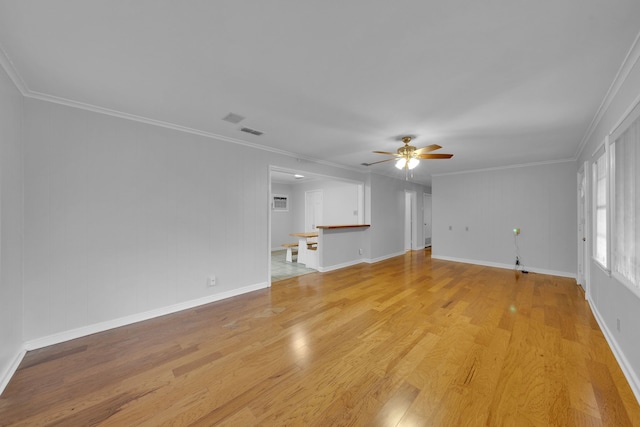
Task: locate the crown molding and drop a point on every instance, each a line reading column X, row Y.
column 633, row 55
column 20, row 84
column 516, row 166
column 7, row 64
column 146, row 120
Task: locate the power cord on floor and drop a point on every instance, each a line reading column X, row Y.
column 519, row 265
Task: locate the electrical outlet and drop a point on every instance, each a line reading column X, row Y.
column 211, row 281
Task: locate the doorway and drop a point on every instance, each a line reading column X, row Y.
column 330, row 199
column 410, row 229
column 312, row 210
column 427, row 219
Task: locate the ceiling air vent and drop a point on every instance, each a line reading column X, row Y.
column 252, row 131
column 233, row 118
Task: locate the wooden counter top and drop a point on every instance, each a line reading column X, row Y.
column 332, row 227
column 305, row 234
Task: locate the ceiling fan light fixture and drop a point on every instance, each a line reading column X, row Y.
column 403, row 163
column 408, row 157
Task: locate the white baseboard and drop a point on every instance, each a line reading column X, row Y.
column 627, row 370
column 339, row 266
column 367, row 260
column 505, row 266
column 11, row 369
column 134, row 318
column 382, row 258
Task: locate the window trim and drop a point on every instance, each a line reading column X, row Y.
column 628, row 119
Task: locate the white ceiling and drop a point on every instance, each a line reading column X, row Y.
column 495, row 82
column 291, row 178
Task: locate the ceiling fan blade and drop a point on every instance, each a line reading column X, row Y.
column 432, row 147
column 387, row 153
column 434, row 156
column 375, row 163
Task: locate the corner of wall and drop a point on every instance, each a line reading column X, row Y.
column 11, row 369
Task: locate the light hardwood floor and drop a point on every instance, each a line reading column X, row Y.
column 405, row 342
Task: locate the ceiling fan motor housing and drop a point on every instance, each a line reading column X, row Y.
column 406, row 151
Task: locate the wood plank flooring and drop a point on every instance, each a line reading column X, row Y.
column 409, row 341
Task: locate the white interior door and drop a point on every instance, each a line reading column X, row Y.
column 427, row 220
column 408, row 226
column 411, row 221
column 583, row 257
column 312, row 210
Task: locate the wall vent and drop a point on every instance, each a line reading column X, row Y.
column 252, row 131
column 280, row 202
column 233, row 118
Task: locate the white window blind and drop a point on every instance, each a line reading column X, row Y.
column 600, row 208
column 625, row 262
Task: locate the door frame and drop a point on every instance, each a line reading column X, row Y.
column 307, row 194
column 363, row 213
column 411, row 241
column 583, row 273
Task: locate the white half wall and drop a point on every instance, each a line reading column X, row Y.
column 474, row 215
column 342, row 247
column 11, row 228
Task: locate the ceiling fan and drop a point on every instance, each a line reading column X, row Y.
column 408, row 156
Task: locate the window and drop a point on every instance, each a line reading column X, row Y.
column 600, row 247
column 625, row 154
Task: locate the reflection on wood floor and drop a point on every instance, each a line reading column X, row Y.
column 409, row 341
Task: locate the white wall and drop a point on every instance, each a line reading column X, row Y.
column 11, row 228
column 339, row 202
column 282, row 221
column 609, row 299
column 124, row 220
column 123, row 217
column 539, row 199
